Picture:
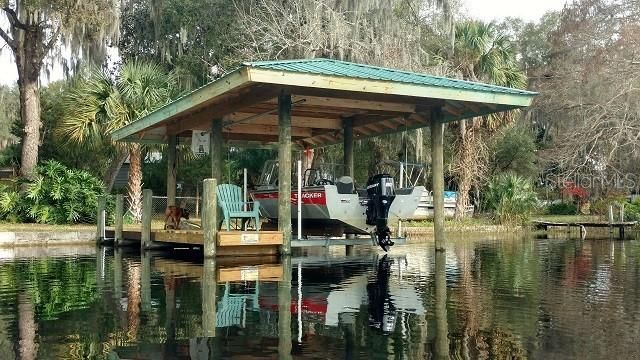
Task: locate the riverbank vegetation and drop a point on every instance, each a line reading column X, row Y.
column 574, row 151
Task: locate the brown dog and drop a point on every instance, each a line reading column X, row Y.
column 173, row 215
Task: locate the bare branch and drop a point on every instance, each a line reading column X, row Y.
column 10, row 42
column 13, row 18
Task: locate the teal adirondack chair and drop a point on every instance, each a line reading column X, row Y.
column 230, row 200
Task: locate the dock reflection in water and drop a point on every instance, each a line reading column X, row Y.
column 518, row 298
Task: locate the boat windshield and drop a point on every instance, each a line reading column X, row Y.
column 320, row 174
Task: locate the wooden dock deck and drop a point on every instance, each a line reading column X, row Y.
column 235, row 243
column 621, row 226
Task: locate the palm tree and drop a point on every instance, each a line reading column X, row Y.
column 481, row 53
column 100, row 103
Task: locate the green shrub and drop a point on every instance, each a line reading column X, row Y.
column 57, row 195
column 510, row 198
column 601, row 206
column 562, row 209
column 632, row 210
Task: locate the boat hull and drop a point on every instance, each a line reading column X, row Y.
column 327, row 212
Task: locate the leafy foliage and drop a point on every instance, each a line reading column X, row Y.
column 56, row 195
column 514, row 151
column 562, row 209
column 510, row 198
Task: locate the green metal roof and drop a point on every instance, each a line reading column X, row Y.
column 353, row 70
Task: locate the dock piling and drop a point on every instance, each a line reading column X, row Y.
column 171, row 170
column 100, row 218
column 437, row 166
column 210, row 216
column 347, row 144
column 119, row 219
column 284, row 171
column 147, row 204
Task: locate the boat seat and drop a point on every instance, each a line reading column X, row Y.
column 345, row 185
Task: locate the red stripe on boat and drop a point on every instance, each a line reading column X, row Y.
column 308, row 197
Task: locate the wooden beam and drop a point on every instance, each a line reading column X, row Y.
column 266, row 130
column 297, row 121
column 346, row 103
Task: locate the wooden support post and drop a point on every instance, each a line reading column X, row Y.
column 437, row 174
column 171, row 170
column 611, row 219
column 147, row 204
column 284, row 311
column 209, row 298
column 119, row 219
column 442, row 326
column 100, row 218
column 215, row 149
column 210, row 217
column 284, row 171
column 348, row 164
column 348, row 146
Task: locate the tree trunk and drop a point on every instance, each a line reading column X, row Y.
column 135, row 182
column 29, row 55
column 467, row 167
column 112, row 171
column 30, row 113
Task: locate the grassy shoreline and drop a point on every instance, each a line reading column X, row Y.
column 478, row 224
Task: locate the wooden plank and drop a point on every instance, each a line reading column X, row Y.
column 249, row 238
column 267, row 272
column 237, row 251
column 189, row 103
column 191, row 237
column 385, row 87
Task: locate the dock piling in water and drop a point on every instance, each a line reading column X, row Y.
column 119, row 219
column 100, row 218
column 147, row 204
column 210, row 216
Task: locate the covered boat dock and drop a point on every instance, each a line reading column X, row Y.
column 304, row 104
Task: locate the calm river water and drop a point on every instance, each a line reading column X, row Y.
column 509, row 298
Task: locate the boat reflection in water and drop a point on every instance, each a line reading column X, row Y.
column 382, row 311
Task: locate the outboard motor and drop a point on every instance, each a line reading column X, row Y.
column 381, row 193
